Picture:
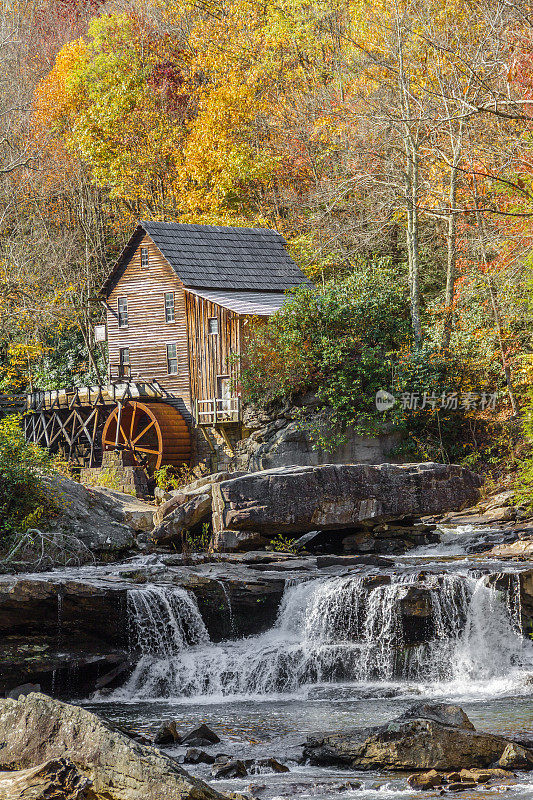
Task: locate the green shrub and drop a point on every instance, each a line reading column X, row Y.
column 336, row 341
column 23, row 502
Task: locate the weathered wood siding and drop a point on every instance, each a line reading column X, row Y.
column 148, row 333
column 210, row 354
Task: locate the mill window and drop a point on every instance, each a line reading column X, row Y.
column 124, row 367
column 169, row 307
column 144, row 258
column 212, row 325
column 172, row 359
column 122, row 312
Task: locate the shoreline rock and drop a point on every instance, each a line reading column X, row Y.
column 426, row 737
column 36, row 729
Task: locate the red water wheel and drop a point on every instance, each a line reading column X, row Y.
column 155, row 434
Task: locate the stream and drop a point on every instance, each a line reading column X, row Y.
column 339, row 655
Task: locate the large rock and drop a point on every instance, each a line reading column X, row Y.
column 57, row 779
column 183, row 518
column 178, row 497
column 298, row 499
column 136, row 513
column 37, row 729
column 91, row 516
column 412, row 742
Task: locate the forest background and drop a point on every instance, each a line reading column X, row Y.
column 391, row 143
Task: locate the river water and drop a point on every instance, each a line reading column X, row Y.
column 336, row 658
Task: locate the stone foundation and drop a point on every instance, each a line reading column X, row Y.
column 118, row 473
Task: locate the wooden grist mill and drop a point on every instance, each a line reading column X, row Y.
column 179, row 305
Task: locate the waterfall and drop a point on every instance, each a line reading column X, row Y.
column 328, row 630
column 163, row 620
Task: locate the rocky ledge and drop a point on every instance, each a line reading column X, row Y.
column 426, row 737
column 250, row 509
column 105, row 763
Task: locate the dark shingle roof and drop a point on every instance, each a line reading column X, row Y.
column 216, row 257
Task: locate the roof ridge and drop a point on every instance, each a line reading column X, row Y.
column 216, row 228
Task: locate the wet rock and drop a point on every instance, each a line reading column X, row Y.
column 22, row 691
column 353, row 561
column 200, row 737
column 456, row 781
column 58, row 778
column 229, row 769
column 259, row 766
column 516, row 757
column 168, row 734
column 183, row 518
column 44, row 661
column 196, row 756
column 36, row 729
column 300, row 499
column 439, row 712
column 425, row 780
column 409, row 743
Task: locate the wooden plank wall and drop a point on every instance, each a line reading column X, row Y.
column 148, row 334
column 210, row 354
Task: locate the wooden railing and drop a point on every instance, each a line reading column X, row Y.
column 218, row 410
column 118, row 391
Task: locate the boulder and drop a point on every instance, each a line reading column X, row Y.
column 426, row 780
column 411, row 742
column 167, row 734
column 170, row 501
column 456, row 781
column 89, row 521
column 183, row 518
column 298, row 499
column 200, row 737
column 516, row 757
column 138, row 514
column 58, row 778
column 237, row 541
column 23, row 690
column 262, row 765
column 229, row 769
column 439, row 712
column 37, row 729
column 196, row 756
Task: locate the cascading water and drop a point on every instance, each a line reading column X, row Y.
column 329, row 630
column 163, row 623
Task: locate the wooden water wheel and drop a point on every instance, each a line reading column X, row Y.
column 155, row 434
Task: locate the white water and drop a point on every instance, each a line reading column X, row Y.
column 334, row 630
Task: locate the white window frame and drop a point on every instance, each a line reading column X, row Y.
column 168, row 308
column 124, row 373
column 211, row 320
column 145, row 262
column 175, row 358
column 123, row 313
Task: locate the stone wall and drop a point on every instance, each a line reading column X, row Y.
column 116, row 473
column 279, row 439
